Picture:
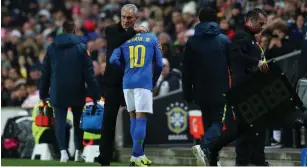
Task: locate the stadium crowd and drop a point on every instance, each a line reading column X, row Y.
column 29, row 26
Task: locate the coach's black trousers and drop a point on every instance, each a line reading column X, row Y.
column 250, row 149
column 113, row 99
column 249, row 146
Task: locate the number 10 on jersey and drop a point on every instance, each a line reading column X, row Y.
column 135, row 55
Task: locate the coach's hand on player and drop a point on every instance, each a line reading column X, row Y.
column 140, row 29
column 263, row 66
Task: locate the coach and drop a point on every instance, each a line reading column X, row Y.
column 116, row 35
column 66, row 68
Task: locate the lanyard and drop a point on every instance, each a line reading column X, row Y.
column 262, row 53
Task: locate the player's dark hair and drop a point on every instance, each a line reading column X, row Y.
column 207, row 14
column 68, row 26
column 254, row 14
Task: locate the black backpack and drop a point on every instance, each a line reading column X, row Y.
column 18, row 129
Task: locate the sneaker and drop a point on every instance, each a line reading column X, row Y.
column 64, row 156
column 273, row 144
column 146, row 161
column 218, row 164
column 78, row 156
column 201, row 156
column 140, row 163
column 215, row 160
column 132, row 162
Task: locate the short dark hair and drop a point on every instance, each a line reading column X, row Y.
column 68, row 26
column 254, row 14
column 207, row 14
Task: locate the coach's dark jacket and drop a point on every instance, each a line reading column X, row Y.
column 205, row 65
column 115, row 36
column 244, row 55
column 66, row 68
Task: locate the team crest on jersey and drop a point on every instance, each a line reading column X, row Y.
column 177, row 117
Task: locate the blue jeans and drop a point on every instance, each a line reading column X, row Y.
column 60, row 123
column 212, row 119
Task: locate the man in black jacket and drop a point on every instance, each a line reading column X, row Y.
column 205, row 77
column 246, row 58
column 66, row 68
column 116, row 35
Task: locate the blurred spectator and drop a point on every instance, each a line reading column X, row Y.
column 168, row 81
column 99, row 69
column 264, row 42
column 224, row 26
column 6, row 91
column 33, row 95
column 166, row 42
column 189, row 14
column 297, row 29
column 280, row 43
column 237, row 18
column 13, row 74
column 18, row 95
column 175, row 19
column 35, row 73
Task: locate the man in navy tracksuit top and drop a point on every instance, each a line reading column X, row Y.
column 205, row 78
column 66, row 68
column 139, row 53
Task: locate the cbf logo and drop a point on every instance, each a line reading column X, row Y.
column 177, row 120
